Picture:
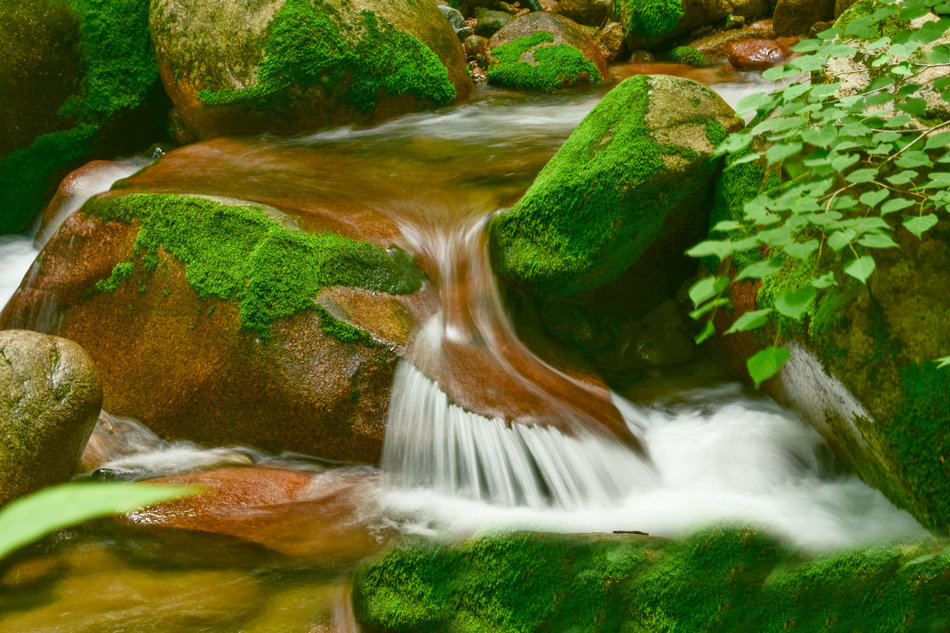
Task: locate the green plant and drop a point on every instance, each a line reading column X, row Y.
column 843, row 168
column 34, row 516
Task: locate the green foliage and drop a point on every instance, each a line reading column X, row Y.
column 552, row 66
column 32, row 517
column 849, row 170
column 237, row 253
column 119, row 71
column 306, row 49
column 688, row 55
column 725, row 579
column 654, row 17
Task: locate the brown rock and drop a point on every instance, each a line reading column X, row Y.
column 758, row 54
column 295, row 513
column 50, row 397
column 610, row 41
column 589, row 12
column 796, row 17
column 716, row 46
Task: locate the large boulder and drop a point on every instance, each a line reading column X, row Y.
column 288, row 66
column 587, row 12
column 220, row 321
column 636, row 173
column 79, row 81
column 50, row 397
column 544, row 51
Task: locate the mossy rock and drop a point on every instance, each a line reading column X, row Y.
column 79, row 82
column 544, row 51
column 637, row 172
column 289, row 66
column 217, row 320
column 722, row 580
column 648, row 24
column 50, row 398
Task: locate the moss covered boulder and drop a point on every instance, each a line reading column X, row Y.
column 722, row 580
column 632, row 185
column 79, row 81
column 544, row 51
column 50, row 397
column 648, row 24
column 222, row 321
column 289, row 66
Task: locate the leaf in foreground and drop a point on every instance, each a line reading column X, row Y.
column 32, row 517
column 767, row 363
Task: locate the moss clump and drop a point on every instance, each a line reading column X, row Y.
column 551, row 66
column 237, row 253
column 599, row 204
column 120, row 272
column 688, row 55
column 651, row 18
column 306, row 49
column 343, row 331
column 119, row 74
column 728, row 580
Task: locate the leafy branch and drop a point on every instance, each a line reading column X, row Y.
column 855, row 165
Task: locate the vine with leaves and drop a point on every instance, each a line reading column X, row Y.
column 854, row 165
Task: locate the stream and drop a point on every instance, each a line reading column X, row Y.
column 691, row 446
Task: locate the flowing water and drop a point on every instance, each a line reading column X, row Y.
column 483, row 434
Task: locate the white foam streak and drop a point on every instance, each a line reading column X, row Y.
column 433, row 443
column 16, row 255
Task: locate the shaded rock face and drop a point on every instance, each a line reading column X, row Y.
column 288, row 66
column 796, row 17
column 185, row 359
column 544, row 51
column 50, row 398
column 62, row 101
column 637, row 172
column 587, row 12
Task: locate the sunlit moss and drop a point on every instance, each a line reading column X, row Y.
column 552, row 66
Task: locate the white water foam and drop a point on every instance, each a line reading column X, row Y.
column 719, row 456
column 16, row 255
column 433, row 443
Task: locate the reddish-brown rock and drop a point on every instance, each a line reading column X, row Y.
column 758, row 54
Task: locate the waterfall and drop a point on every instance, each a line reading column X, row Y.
column 547, row 450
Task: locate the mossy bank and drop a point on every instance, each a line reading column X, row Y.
column 80, row 82
column 729, row 580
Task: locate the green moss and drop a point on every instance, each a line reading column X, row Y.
column 595, row 208
column 343, row 331
column 728, row 580
column 551, row 66
column 688, row 55
column 651, row 18
column 237, row 253
column 305, row 49
column 119, row 73
column 919, row 436
column 25, row 175
column 120, row 272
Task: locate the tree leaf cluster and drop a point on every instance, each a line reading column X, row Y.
column 856, row 167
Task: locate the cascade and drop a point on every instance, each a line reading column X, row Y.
column 556, row 448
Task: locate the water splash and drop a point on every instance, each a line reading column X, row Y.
column 434, row 443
